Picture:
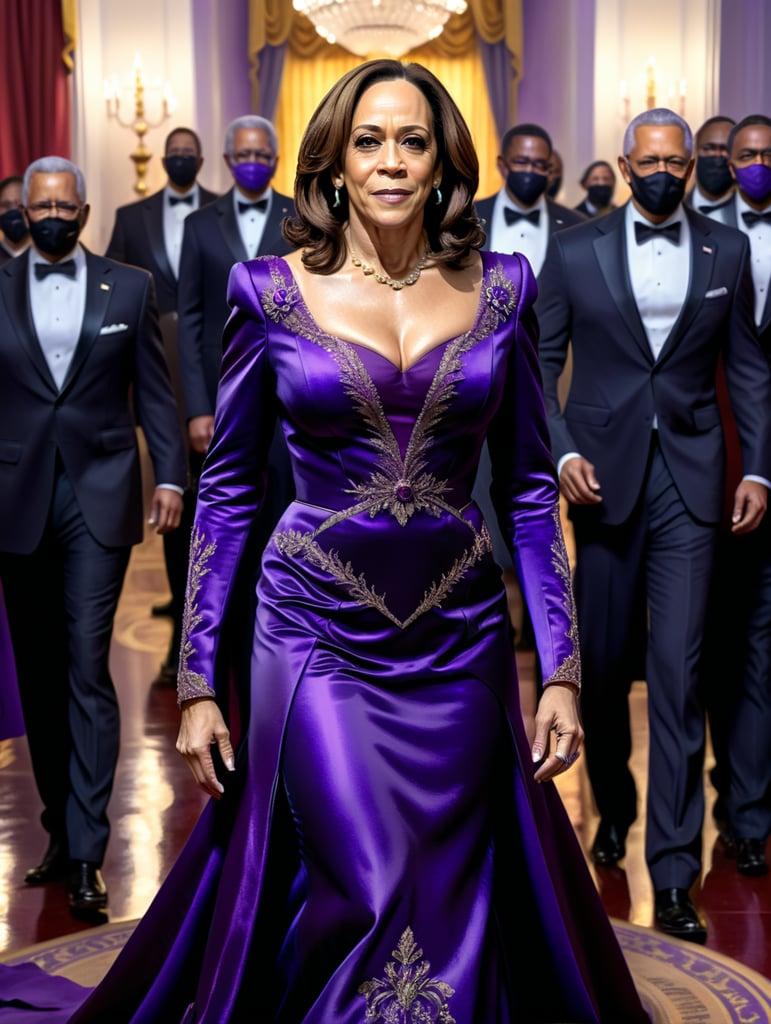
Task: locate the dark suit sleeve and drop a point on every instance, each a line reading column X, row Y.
column 116, row 248
column 555, row 322
column 153, row 397
column 190, row 297
column 747, row 373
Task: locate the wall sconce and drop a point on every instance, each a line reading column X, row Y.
column 140, row 123
column 651, row 86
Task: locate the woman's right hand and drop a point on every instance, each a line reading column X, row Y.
column 201, row 727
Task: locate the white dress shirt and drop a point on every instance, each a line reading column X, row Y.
column 174, row 215
column 659, row 272
column 251, row 223
column 699, row 200
column 529, row 239
column 58, row 305
column 13, row 253
column 760, row 254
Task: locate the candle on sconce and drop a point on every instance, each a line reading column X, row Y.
column 169, row 100
column 623, row 95
column 650, row 83
column 681, row 107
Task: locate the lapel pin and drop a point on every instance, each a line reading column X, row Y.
column 706, row 249
column 104, row 287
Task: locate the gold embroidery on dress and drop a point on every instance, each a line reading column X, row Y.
column 407, row 994
column 570, row 668
column 292, row 542
column 400, row 486
column 193, row 684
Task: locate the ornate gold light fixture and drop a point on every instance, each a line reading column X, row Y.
column 141, row 122
column 367, row 27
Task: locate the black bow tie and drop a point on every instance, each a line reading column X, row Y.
column 512, row 216
column 644, row 232
column 750, row 217
column 44, row 269
column 173, row 200
column 259, row 204
column 715, row 206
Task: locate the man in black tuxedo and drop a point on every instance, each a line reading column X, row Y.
column 15, row 234
column 650, row 296
column 519, row 218
column 737, row 656
column 148, row 234
column 714, row 188
column 80, row 350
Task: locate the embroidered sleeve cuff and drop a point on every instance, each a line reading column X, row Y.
column 191, row 685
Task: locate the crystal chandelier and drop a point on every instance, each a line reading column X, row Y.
column 368, row 27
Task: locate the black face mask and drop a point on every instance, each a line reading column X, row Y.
column 599, row 195
column 713, row 175
column 181, row 169
column 526, row 186
column 54, row 235
column 659, row 193
column 554, row 188
column 13, row 225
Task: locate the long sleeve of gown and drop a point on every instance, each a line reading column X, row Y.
column 525, row 495
column 232, row 484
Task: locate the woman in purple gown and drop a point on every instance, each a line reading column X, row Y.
column 386, row 844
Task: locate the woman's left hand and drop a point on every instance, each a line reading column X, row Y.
column 558, row 713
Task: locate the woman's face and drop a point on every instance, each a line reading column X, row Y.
column 390, row 160
column 600, row 176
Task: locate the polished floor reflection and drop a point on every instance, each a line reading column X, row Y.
column 155, row 804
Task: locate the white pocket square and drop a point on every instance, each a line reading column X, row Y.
column 716, row 293
column 116, row 328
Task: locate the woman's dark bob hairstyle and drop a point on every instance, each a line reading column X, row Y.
column 452, row 226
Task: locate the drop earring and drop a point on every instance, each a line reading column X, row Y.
column 438, row 195
column 337, row 198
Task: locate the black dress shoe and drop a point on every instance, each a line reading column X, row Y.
column 163, row 610
column 87, row 892
column 751, row 857
column 609, row 845
column 53, row 867
column 677, row 916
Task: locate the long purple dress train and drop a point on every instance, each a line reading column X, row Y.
column 382, row 853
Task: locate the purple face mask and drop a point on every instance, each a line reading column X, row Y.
column 754, row 181
column 252, row 176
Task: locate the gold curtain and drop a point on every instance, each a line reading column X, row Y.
column 70, row 26
column 312, row 66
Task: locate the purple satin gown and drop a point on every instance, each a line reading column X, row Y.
column 382, row 854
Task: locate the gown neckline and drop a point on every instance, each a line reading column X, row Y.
column 479, row 313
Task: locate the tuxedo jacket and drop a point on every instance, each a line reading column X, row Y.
column 117, row 370
column 211, row 245
column 137, row 238
column 764, row 328
column 583, row 209
column 617, row 388
column 560, row 217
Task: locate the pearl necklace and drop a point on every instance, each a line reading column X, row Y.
column 397, row 285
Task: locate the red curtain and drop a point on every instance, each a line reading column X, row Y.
column 34, row 87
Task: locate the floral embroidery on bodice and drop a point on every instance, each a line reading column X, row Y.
column 399, row 485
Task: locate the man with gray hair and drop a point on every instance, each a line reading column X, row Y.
column 650, row 297
column 81, row 363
